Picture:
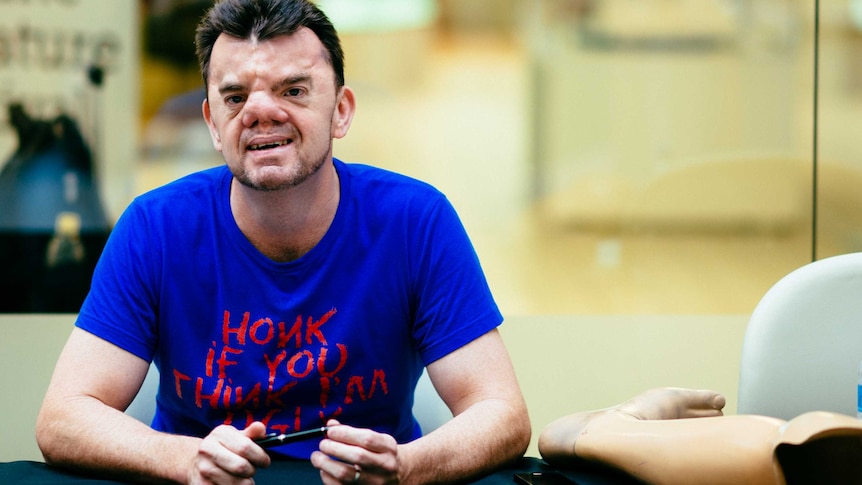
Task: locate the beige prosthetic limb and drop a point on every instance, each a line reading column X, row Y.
column 655, row 438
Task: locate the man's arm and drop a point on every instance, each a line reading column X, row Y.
column 490, row 425
column 81, row 424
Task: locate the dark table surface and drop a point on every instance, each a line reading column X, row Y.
column 301, row 472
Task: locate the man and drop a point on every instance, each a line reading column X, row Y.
column 283, row 292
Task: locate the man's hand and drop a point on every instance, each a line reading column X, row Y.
column 353, row 455
column 229, row 456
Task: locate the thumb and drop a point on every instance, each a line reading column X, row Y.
column 255, row 430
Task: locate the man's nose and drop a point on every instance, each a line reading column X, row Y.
column 263, row 109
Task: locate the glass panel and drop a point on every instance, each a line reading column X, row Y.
column 839, row 218
column 672, row 152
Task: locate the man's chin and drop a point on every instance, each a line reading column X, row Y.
column 270, row 182
column 274, row 178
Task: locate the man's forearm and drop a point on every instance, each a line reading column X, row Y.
column 485, row 436
column 85, row 434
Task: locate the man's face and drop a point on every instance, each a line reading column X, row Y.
column 273, row 108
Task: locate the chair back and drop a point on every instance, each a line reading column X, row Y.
column 803, row 345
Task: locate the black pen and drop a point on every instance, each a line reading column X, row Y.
column 275, row 439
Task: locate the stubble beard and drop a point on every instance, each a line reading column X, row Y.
column 284, row 178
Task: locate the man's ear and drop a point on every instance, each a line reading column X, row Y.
column 342, row 116
column 214, row 134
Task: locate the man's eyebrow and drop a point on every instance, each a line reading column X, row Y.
column 295, row 79
column 230, row 88
column 288, row 81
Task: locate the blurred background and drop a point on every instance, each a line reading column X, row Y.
column 634, row 174
column 606, row 156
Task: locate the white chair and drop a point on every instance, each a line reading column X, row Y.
column 803, row 345
column 428, row 408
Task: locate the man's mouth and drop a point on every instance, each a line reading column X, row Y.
column 267, row 146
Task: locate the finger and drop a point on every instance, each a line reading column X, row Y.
column 346, row 452
column 234, row 452
column 241, row 443
column 255, row 454
column 333, row 471
column 255, row 430
column 216, row 460
column 384, row 464
column 217, row 476
column 366, row 439
column 328, row 479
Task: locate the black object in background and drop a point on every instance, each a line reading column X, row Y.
column 52, row 222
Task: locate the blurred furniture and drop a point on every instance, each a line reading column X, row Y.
column 760, row 193
column 803, row 345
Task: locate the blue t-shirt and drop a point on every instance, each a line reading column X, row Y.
column 344, row 331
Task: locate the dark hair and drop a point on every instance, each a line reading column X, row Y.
column 264, row 20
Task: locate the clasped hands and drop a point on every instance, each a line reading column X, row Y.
column 347, row 455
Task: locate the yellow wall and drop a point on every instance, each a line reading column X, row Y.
column 28, row 351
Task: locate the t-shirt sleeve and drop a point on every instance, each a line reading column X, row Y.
column 454, row 304
column 120, row 307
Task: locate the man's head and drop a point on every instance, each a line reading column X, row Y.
column 264, row 20
column 275, row 90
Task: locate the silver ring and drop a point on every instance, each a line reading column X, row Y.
column 356, row 475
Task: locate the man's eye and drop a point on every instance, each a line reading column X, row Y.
column 293, row 92
column 233, row 99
